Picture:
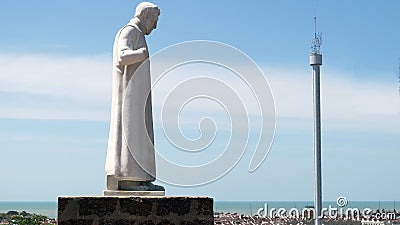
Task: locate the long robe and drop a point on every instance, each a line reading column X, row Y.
column 130, row 153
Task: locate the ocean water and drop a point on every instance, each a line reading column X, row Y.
column 49, row 209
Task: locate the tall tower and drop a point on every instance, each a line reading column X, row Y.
column 316, row 62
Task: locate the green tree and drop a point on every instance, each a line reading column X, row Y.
column 12, row 213
column 25, row 214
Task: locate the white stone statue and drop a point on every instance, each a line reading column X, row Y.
column 130, row 162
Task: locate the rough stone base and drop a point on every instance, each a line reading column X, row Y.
column 135, row 211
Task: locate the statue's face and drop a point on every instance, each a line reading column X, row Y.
column 151, row 23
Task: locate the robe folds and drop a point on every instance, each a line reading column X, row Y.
column 130, row 152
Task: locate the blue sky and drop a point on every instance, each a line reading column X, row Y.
column 55, row 93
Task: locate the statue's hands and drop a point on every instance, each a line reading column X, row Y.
column 129, row 56
column 144, row 51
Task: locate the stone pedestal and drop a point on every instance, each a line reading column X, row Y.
column 135, row 211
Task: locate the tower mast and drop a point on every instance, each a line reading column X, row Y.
column 316, row 62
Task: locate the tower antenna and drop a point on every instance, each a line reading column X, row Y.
column 317, row 41
column 315, row 26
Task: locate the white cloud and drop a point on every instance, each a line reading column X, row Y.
column 341, row 98
column 79, row 87
column 345, row 102
column 55, row 87
column 72, row 76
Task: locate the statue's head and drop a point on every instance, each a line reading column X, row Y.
column 148, row 14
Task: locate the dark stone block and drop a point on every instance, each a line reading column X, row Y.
column 150, row 222
column 210, row 222
column 197, row 222
column 77, row 222
column 205, row 207
column 96, row 206
column 180, row 206
column 165, row 222
column 62, row 204
column 135, row 210
column 188, row 223
column 136, row 206
column 117, row 222
column 162, row 209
